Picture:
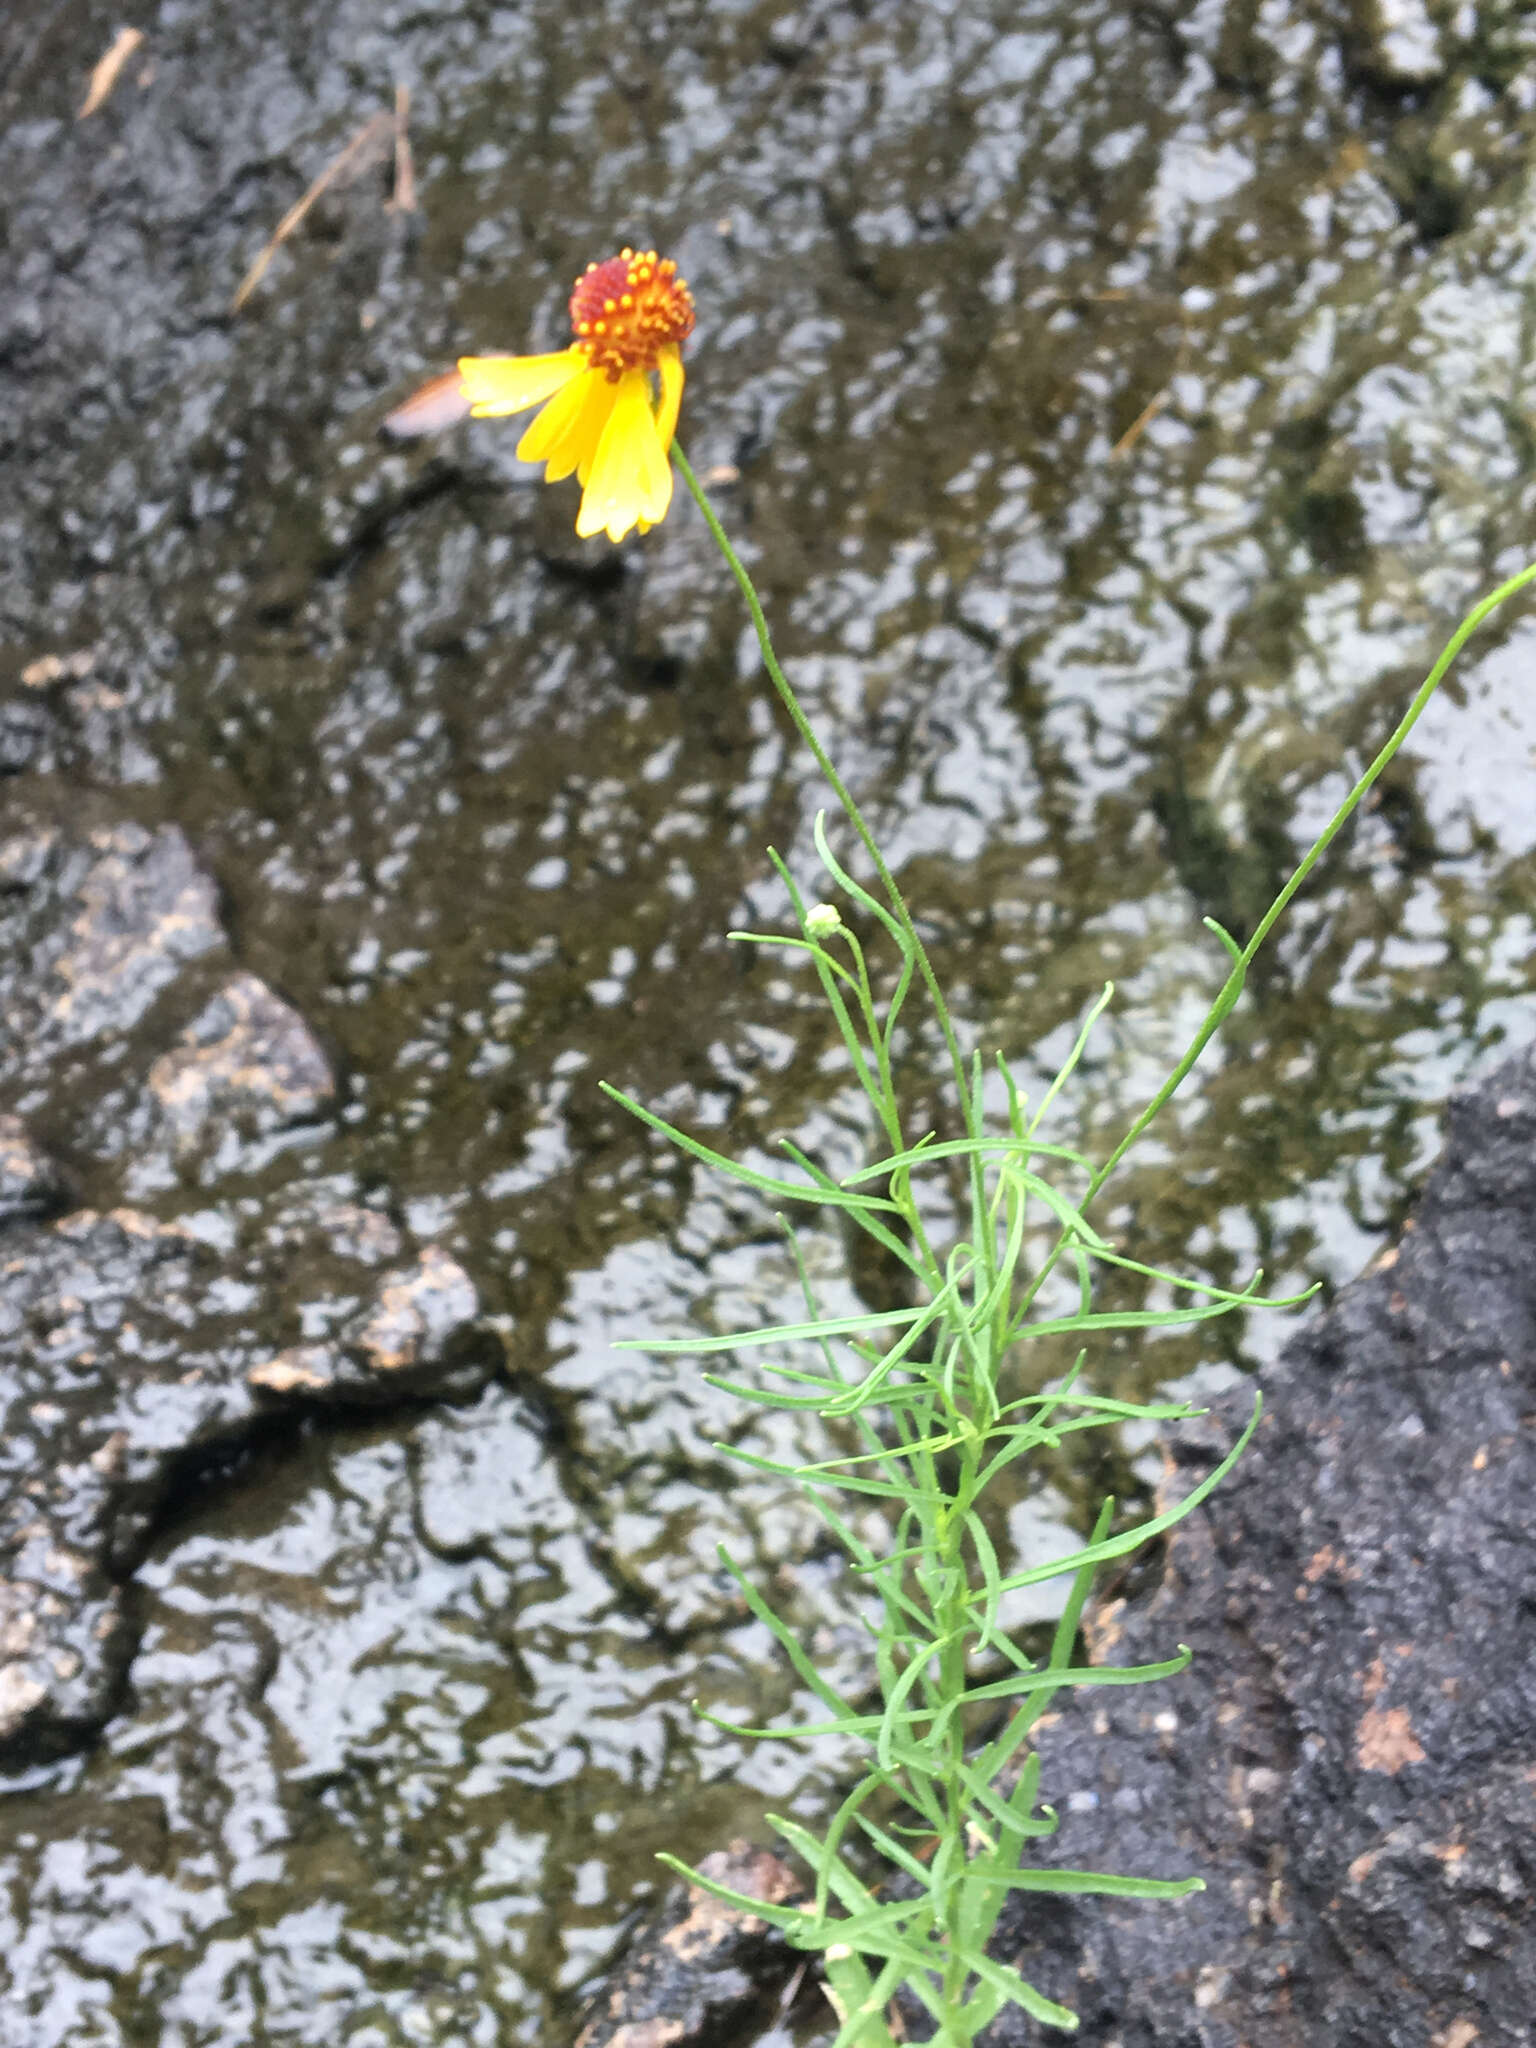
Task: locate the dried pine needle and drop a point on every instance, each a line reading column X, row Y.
column 404, row 197
column 371, row 142
column 108, row 69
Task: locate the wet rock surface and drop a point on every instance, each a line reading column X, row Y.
column 138, row 1351
column 135, row 1358
column 100, row 924
column 1122, row 404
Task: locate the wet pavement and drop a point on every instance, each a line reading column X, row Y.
column 1124, row 405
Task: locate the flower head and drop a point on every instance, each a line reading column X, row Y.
column 610, row 400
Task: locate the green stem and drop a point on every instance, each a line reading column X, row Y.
column 823, row 760
column 954, row 1617
column 1232, row 986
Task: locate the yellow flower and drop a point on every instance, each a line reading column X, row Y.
column 610, row 400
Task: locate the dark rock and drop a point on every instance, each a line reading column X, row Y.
column 702, row 1965
column 135, row 1355
column 70, row 717
column 125, row 1025
column 30, row 1183
column 245, row 1070
column 1351, row 1761
column 64, row 1642
column 24, row 733
column 139, row 1349
column 246, row 1056
column 403, row 1340
column 99, row 917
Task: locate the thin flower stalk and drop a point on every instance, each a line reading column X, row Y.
column 942, row 1398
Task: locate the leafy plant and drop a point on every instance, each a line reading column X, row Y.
column 930, row 1395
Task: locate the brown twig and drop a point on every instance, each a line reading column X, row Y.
column 1153, row 406
column 1140, row 424
column 107, row 70
column 366, row 146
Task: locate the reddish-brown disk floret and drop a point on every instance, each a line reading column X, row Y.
column 625, row 311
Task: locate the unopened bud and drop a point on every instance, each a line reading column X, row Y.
column 822, row 920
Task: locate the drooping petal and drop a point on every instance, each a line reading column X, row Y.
column 430, row 409
column 495, row 385
column 566, row 433
column 631, row 478
column 670, row 365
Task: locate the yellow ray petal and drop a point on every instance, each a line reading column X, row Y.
column 670, row 364
column 631, row 477
column 501, row 384
column 566, row 433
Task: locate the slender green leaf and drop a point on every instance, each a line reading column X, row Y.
column 766, row 1184
column 845, row 881
column 761, row 1611
column 781, row 1333
column 1018, row 1991
column 785, row 1918
column 1079, row 1046
column 1133, row 1539
column 931, row 1149
column 1099, row 1883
